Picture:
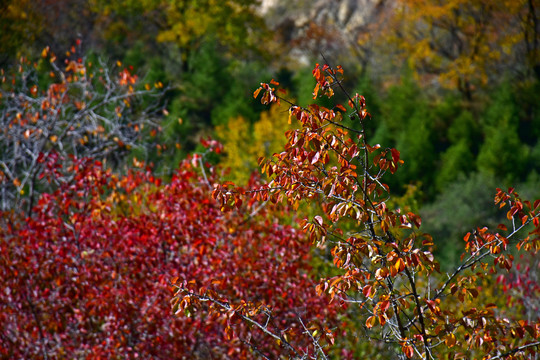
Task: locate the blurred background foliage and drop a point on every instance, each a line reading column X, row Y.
column 454, row 85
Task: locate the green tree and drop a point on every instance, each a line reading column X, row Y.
column 462, row 204
column 457, row 158
column 209, row 93
column 502, row 153
column 408, row 123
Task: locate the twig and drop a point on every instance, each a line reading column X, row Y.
column 513, row 351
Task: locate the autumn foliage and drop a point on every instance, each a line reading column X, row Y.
column 88, row 275
column 71, row 107
column 312, row 260
column 88, row 255
column 386, row 268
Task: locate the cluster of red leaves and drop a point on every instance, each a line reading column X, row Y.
column 88, row 274
column 521, row 286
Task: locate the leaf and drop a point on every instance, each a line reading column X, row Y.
column 256, row 93
column 370, row 322
column 228, row 333
column 341, row 108
column 417, row 220
column 408, row 351
column 315, row 158
column 428, row 241
column 368, row 291
column 395, row 156
column 399, row 265
column 450, row 340
column 383, row 306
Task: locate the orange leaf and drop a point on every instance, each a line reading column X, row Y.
column 450, row 340
column 256, row 93
column 340, row 107
column 408, row 351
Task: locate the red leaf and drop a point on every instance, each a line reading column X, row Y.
column 395, row 156
column 367, row 291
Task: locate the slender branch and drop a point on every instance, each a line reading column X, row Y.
column 227, row 307
column 255, row 349
column 475, row 259
column 513, row 351
column 35, row 314
column 420, row 315
column 315, row 341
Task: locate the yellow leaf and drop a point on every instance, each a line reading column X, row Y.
column 450, row 340
column 370, row 322
column 290, row 116
column 398, row 265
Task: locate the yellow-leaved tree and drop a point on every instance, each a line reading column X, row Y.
column 244, row 143
column 461, row 43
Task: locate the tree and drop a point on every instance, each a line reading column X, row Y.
column 78, row 108
column 235, row 23
column 503, row 152
column 20, row 25
column 384, row 264
column 244, row 144
column 88, row 274
column 465, row 44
